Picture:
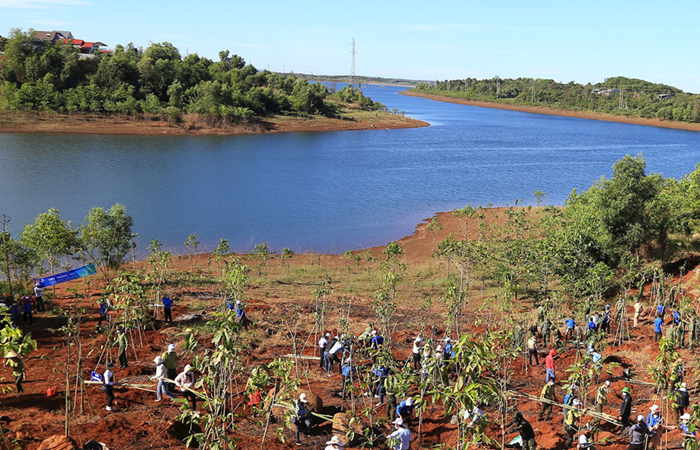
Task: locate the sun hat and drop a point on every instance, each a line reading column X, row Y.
column 576, row 402
column 685, row 416
column 171, row 347
column 607, row 382
column 158, row 360
column 654, row 408
column 303, row 399
column 640, row 418
column 334, row 441
column 409, row 401
column 188, row 368
column 11, row 354
column 582, row 439
column 418, row 339
column 374, row 332
column 447, row 339
column 398, row 421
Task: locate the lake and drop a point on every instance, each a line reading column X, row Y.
column 330, row 191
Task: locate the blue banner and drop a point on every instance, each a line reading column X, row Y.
column 67, row 276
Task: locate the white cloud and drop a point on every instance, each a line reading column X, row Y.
column 35, row 4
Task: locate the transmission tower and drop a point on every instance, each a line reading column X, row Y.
column 352, row 64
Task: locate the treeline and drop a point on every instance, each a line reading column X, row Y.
column 617, row 234
column 617, row 95
column 157, row 81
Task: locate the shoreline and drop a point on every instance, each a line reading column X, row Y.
column 558, row 112
column 50, row 123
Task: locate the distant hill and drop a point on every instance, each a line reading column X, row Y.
column 358, row 79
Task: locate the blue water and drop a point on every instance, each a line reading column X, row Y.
column 329, row 191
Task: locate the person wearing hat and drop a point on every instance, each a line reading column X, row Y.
column 601, row 396
column 625, row 407
column 162, row 387
column 108, row 385
column 681, row 401
column 655, row 423
column 639, row 433
column 302, row 417
column 571, row 422
column 401, row 438
column 39, row 296
column 637, row 312
column 417, row 344
column 241, row 315
column 688, row 436
column 335, row 355
column 333, row 444
column 15, row 362
column 348, row 371
column 27, row 309
column 447, row 350
column 532, row 350
column 123, row 343
column 185, row 382
column 170, row 362
column 405, row 410
column 104, row 311
column 548, row 393
column 167, row 309
column 571, row 395
column 322, row 347
column 523, row 427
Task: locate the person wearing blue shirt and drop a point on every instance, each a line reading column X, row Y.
column 591, row 328
column 240, row 314
column 376, row 344
column 658, row 328
column 684, row 428
column 405, row 410
column 104, row 308
column 447, row 350
column 168, row 308
column 676, row 317
column 348, row 371
column 605, row 322
column 655, row 423
column 661, row 311
column 570, row 327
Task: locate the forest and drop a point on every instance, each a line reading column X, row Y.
column 157, row 82
column 616, row 95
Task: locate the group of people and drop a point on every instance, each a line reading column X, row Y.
column 26, row 304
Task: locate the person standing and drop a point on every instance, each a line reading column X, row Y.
column 637, row 312
column 601, row 396
column 625, row 407
column 570, row 327
column 390, row 386
column 417, row 344
column 681, row 401
column 658, row 328
column 688, row 436
column 162, row 387
column 15, row 362
column 302, row 417
column 548, row 393
column 123, row 343
column 546, row 326
column 104, row 311
column 523, row 427
column 655, row 423
column 571, row 423
column 27, row 308
column 532, row 350
column 322, row 346
column 348, row 371
column 185, row 382
column 108, row 385
column 335, row 355
column 169, row 358
column 549, row 363
column 39, row 296
column 639, row 433
column 401, row 438
column 168, row 309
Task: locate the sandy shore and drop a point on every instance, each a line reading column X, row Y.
column 560, row 112
column 22, row 122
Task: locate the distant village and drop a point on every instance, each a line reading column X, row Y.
column 86, row 49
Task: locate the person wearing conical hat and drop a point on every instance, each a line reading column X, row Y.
column 15, row 362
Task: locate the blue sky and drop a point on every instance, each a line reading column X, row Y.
column 564, row 40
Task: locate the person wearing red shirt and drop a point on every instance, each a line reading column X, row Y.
column 549, row 362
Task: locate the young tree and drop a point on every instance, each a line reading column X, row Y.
column 106, row 237
column 221, row 254
column 192, row 244
column 50, row 238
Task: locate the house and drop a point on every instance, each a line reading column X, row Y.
column 52, row 36
column 88, row 48
column 665, row 96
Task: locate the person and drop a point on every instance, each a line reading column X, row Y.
column 39, row 296
column 347, row 371
column 162, row 387
column 417, row 344
column 591, row 328
column 377, row 341
column 185, row 382
column 571, row 422
column 380, row 375
column 684, row 428
column 584, row 444
column 15, row 362
column 637, row 312
column 14, row 309
column 104, row 311
column 523, row 427
column 549, row 363
column 169, row 358
column 605, row 321
column 661, row 311
column 400, row 439
column 168, row 309
column 601, row 396
column 546, row 325
column 679, row 370
column 335, row 355
column 390, row 388
column 447, row 350
column 658, row 328
column 241, row 315
column 681, row 401
column 302, row 417
column 333, row 444
column 639, row 433
column 27, row 309
column 322, row 346
column 625, row 407
column 570, row 327
column 123, row 343
column 655, row 423
column 108, row 385
column 405, row 410
column 571, row 395
column 548, row 393
column 532, row 350
column 597, row 365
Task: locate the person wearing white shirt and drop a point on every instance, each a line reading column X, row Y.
column 108, row 385
column 400, row 439
column 161, row 374
column 185, row 381
column 322, row 345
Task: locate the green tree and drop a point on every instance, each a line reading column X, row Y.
column 50, row 237
column 106, row 237
column 192, row 244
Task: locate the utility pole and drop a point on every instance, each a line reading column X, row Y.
column 352, row 65
column 5, row 222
